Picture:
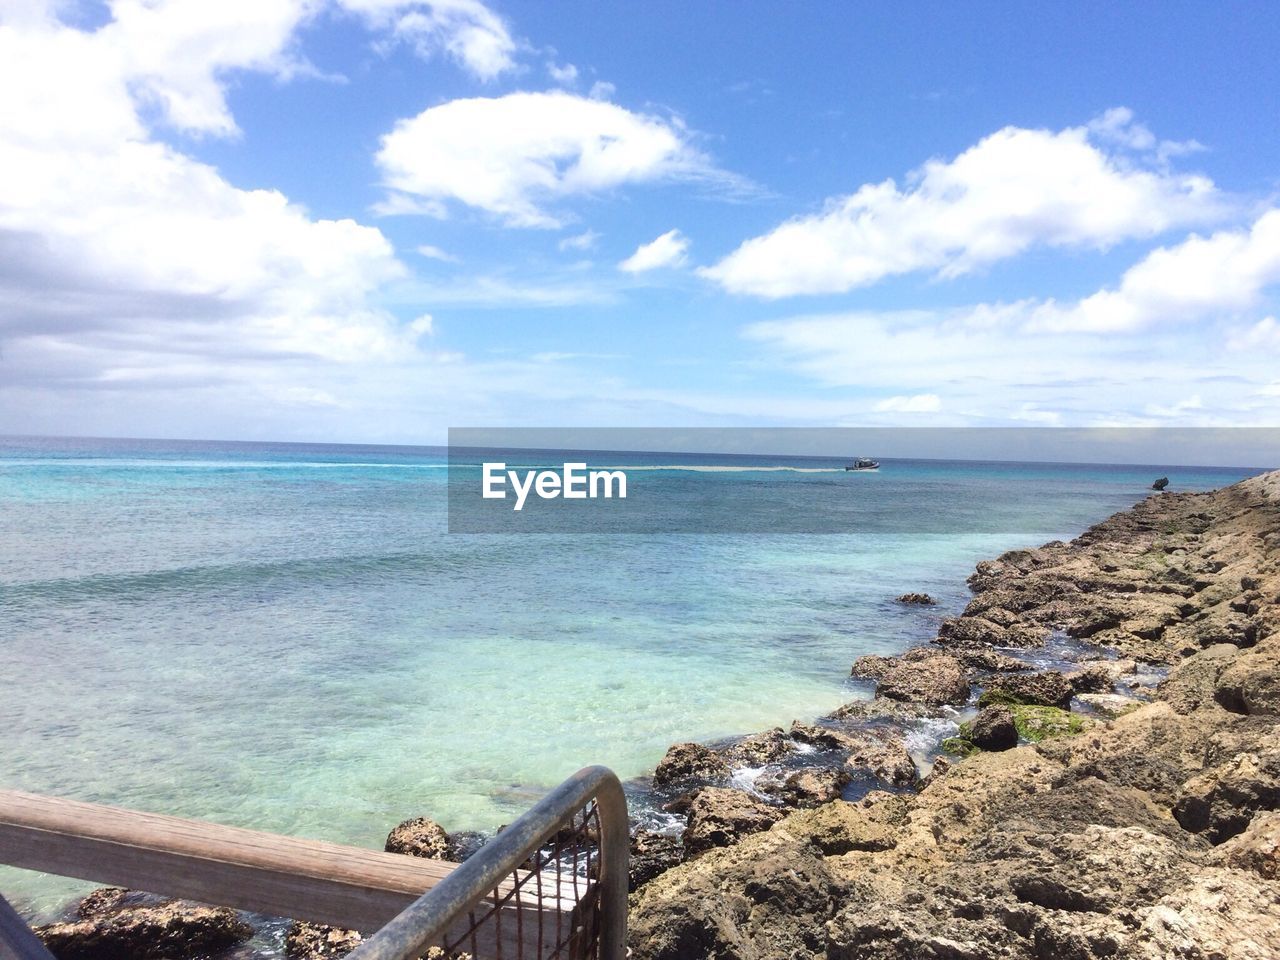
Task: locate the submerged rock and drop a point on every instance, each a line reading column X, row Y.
column 689, row 762
column 920, row 599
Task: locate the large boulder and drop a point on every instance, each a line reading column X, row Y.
column 687, row 763
column 935, row 680
column 721, row 816
column 110, row 928
column 993, row 729
column 419, row 837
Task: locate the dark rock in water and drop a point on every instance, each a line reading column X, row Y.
column 465, row 844
column 104, row 901
column 810, row 787
column 1049, row 688
column 653, row 854
column 993, row 729
column 1094, row 678
column 922, row 599
column 317, row 941
column 685, row 762
column 720, row 816
column 1160, row 484
column 419, row 837
column 168, row 930
column 879, row 751
column 759, row 749
column 934, row 680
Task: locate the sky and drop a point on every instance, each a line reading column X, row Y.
column 373, row 220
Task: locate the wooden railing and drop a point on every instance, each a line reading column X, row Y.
column 530, row 900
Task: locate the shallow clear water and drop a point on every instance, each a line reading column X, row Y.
column 285, row 637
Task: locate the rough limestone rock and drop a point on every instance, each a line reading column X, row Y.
column 652, row 854
column 419, row 837
column 1223, row 915
column 1152, row 834
column 1049, row 688
column 1108, row 704
column 172, row 930
column 1257, row 849
column 769, row 897
column 1222, row 801
column 721, row 816
column 934, row 680
column 1194, row 681
column 993, row 729
column 686, row 763
column 919, row 599
column 1251, row 684
column 316, row 941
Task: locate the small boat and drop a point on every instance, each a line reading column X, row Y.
column 862, row 463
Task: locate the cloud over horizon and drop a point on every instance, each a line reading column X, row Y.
column 1015, row 190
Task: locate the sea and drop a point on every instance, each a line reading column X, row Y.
column 288, row 637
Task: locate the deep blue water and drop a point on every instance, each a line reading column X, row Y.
column 286, row 637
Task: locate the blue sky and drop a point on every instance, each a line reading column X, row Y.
column 370, row 220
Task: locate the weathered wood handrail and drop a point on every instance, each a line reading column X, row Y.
column 555, row 880
column 229, row 866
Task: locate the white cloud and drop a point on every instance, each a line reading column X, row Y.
column 1014, row 190
column 510, row 156
column 1263, row 335
column 579, row 241
column 990, row 369
column 1202, row 276
column 565, row 75
column 435, row 253
column 465, row 30
column 130, row 266
column 423, row 326
column 915, row 403
column 668, row 250
column 602, row 90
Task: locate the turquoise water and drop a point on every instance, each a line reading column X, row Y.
column 286, row 637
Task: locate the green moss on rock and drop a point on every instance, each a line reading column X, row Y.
column 959, row 747
column 1003, row 698
column 1045, row 723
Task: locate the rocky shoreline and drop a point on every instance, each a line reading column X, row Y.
column 1084, row 763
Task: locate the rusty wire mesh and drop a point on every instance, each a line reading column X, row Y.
column 547, row 909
